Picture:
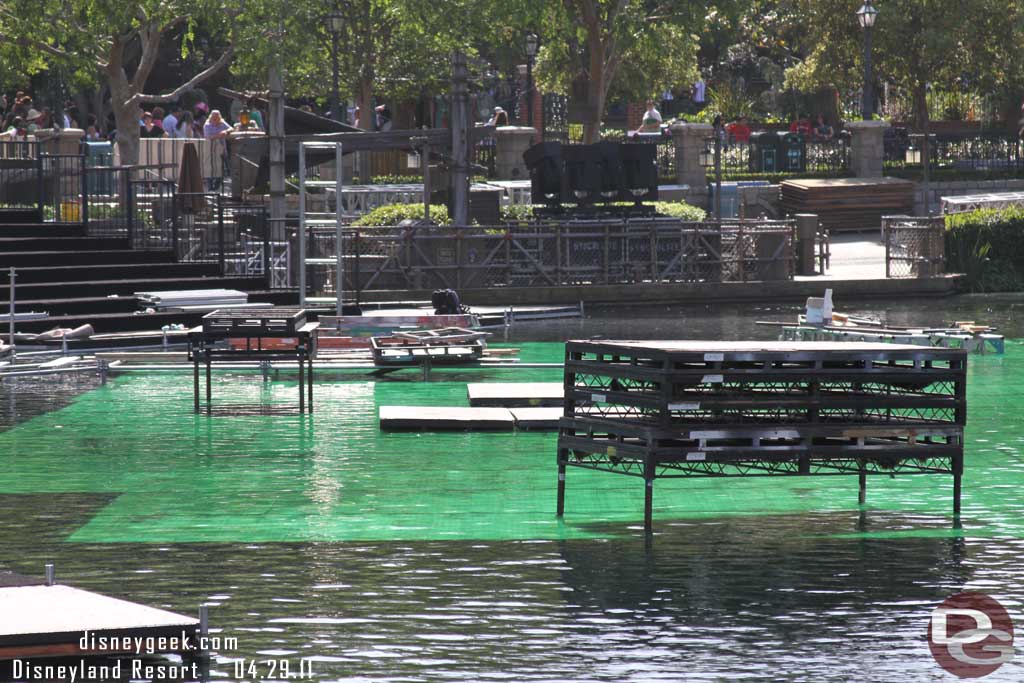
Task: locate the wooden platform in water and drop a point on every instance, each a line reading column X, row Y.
column 49, row 621
column 458, row 418
column 515, row 394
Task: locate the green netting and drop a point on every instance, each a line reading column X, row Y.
column 334, row 476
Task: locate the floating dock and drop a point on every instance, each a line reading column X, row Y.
column 40, row 619
column 515, row 394
column 689, row 408
column 459, row 418
column 980, row 343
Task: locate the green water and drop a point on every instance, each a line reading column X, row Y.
column 429, row 557
column 247, row 474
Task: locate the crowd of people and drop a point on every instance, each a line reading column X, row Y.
column 20, row 117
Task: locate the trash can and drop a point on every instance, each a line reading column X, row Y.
column 731, row 195
column 764, row 153
column 99, row 155
column 792, row 152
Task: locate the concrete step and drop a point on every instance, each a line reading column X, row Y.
column 112, row 271
column 92, row 257
column 70, row 289
column 10, row 244
column 13, row 229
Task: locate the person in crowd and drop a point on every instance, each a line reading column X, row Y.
column 801, row 125
column 254, row 114
column 148, row 128
column 17, row 128
column 198, row 125
column 32, row 120
column 823, row 131
column 217, row 130
column 651, row 121
column 170, row 122
column 185, row 127
column 739, row 130
column 383, row 117
column 158, row 118
column 498, row 118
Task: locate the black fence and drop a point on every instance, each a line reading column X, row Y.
column 811, row 157
column 558, row 254
column 965, row 152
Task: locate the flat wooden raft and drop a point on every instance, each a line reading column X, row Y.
column 40, row 620
column 459, row 418
column 848, row 203
column 515, row 394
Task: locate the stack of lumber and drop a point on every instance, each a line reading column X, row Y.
column 192, row 298
column 848, row 203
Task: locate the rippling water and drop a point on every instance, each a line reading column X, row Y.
column 406, row 557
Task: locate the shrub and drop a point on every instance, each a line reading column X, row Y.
column 393, row 214
column 687, row 212
column 987, row 246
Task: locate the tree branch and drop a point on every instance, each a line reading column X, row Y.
column 149, row 37
column 209, row 71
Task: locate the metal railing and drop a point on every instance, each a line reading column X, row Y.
column 970, row 152
column 555, row 254
column 914, row 246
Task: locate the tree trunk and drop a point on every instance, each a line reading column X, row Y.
column 920, row 107
column 126, row 116
column 367, row 118
column 595, row 88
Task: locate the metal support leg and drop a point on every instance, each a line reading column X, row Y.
column 209, row 383
column 302, row 386
column 862, row 477
column 560, row 507
column 195, row 380
column 309, row 384
column 649, row 494
column 958, row 474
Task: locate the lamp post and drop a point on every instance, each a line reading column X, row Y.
column 335, row 23
column 532, row 43
column 866, row 16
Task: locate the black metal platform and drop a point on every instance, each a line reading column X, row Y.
column 678, row 409
column 269, row 333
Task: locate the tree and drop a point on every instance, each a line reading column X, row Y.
column 634, row 48
column 121, row 41
column 917, row 44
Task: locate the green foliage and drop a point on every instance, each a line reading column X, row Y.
column 779, row 177
column 517, row 213
column 391, row 215
column 396, row 179
column 687, row 212
column 729, row 101
column 987, row 246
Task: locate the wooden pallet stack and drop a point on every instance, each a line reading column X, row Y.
column 848, row 203
column 685, row 408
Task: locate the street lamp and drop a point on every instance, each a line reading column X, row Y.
column 335, row 24
column 866, row 16
column 920, row 155
column 712, row 157
column 532, row 43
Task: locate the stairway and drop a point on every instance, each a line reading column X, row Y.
column 78, row 279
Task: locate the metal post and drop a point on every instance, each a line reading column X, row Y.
column 867, row 108
column 85, row 192
column 51, row 574
column 10, row 320
column 862, row 477
column 204, row 621
column 275, row 136
column 40, row 184
column 338, row 236
column 718, row 175
column 334, row 75
column 103, row 366
column 927, row 162
column 220, row 233
column 529, row 92
column 302, row 224
column 425, row 164
column 460, row 140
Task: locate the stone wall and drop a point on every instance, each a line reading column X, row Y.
column 936, row 191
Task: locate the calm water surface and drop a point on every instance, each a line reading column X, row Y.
column 405, row 557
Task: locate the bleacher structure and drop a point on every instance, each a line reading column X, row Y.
column 697, row 408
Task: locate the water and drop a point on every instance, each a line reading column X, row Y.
column 405, row 557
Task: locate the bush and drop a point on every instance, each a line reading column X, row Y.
column 987, row 246
column 687, row 212
column 392, row 214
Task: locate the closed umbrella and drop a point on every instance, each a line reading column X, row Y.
column 191, row 196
